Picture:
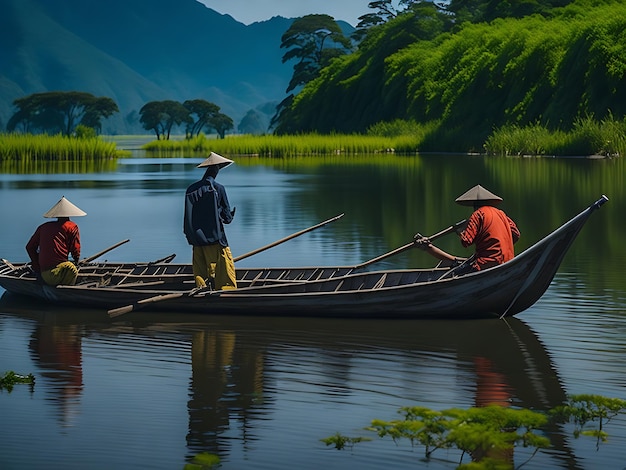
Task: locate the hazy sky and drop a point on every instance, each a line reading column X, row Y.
column 249, row 11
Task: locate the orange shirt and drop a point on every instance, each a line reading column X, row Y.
column 52, row 244
column 493, row 233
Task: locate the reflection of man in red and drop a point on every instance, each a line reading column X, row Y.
column 58, row 349
column 491, row 386
column 491, row 389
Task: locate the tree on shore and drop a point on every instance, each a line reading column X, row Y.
column 313, row 40
column 162, row 116
column 60, row 112
column 204, row 111
column 221, row 123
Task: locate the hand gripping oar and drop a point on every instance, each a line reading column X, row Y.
column 157, row 298
column 91, row 258
column 408, row 246
column 283, row 240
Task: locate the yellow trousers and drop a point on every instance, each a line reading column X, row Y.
column 214, row 262
column 63, row 274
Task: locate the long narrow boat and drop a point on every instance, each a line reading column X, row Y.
column 332, row 291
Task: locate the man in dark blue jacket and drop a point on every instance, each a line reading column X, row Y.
column 206, row 211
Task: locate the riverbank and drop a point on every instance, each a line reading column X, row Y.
column 587, row 138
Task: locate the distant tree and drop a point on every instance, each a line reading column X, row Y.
column 162, row 116
column 98, row 109
column 30, row 119
column 221, row 123
column 313, row 40
column 60, row 111
column 204, row 112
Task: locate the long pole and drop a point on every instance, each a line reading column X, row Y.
column 158, row 298
column 408, row 246
column 283, row 240
column 91, row 258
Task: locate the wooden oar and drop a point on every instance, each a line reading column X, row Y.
column 157, row 298
column 116, row 312
column 91, row 258
column 10, row 265
column 408, row 246
column 283, row 240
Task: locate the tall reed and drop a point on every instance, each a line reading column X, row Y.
column 55, row 148
column 586, row 138
column 289, row 145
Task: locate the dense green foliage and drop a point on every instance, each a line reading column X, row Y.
column 552, row 69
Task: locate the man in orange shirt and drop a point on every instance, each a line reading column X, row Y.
column 491, row 231
column 52, row 243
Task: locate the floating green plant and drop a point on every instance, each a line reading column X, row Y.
column 10, row 379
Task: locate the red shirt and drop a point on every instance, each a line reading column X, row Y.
column 52, row 244
column 493, row 233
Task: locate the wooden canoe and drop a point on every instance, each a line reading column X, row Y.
column 333, row 291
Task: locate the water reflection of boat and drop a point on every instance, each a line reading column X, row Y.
column 504, row 290
column 235, row 363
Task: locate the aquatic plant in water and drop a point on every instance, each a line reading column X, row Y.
column 584, row 409
column 10, row 379
column 489, row 434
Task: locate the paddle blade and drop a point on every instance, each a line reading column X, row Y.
column 116, row 312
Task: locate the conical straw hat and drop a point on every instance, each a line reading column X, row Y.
column 476, row 194
column 215, row 159
column 64, row 208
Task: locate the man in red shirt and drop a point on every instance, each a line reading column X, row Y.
column 52, row 243
column 491, row 231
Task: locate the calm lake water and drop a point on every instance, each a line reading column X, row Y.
column 153, row 390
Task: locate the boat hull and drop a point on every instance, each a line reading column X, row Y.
column 502, row 291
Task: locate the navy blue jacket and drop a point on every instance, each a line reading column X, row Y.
column 206, row 210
